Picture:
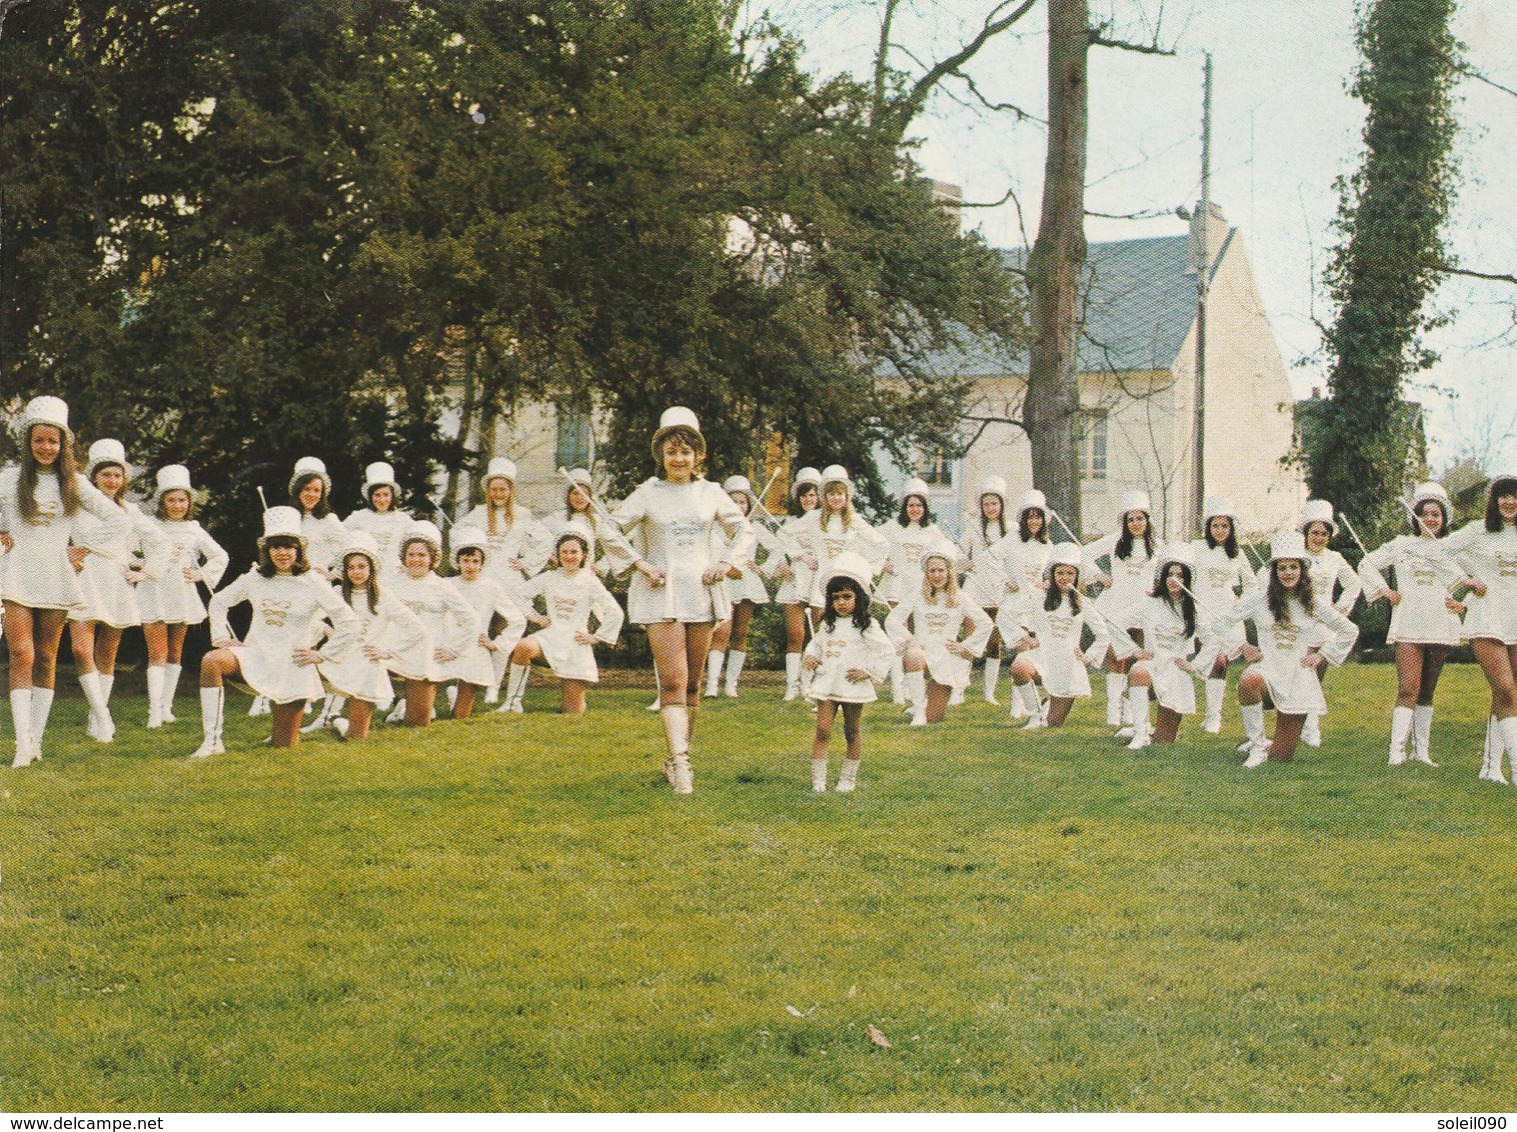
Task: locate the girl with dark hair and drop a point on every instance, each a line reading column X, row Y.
column 41, row 501
column 938, row 633
column 840, row 528
column 1048, row 634
column 1129, row 551
column 1487, row 551
column 1424, row 616
column 610, row 554
column 311, row 496
column 908, row 539
column 1024, row 556
column 801, row 541
column 498, row 621
column 985, row 574
column 1328, row 572
column 293, row 610
column 1223, row 576
column 381, row 516
column 1168, row 622
column 847, row 657
column 1284, row 667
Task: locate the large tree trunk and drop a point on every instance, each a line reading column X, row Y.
column 1052, row 410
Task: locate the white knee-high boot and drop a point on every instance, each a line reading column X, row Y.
column 676, row 719
column 1253, row 727
column 1116, row 686
column 992, row 677
column 321, row 716
column 916, row 694
column 100, row 726
column 897, row 680
column 1137, row 702
column 500, row 662
column 714, row 673
column 1216, row 693
column 1032, row 706
column 848, row 776
column 1401, row 731
column 1422, row 734
column 792, row 675
column 42, row 707
column 735, row 662
column 107, row 683
column 259, row 706
column 1488, row 756
column 155, row 683
column 212, row 709
column 516, row 687
column 170, row 690
column 819, row 776
column 1506, row 743
column 1311, row 730
column 21, row 719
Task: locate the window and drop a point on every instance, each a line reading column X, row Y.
column 574, row 440
column 937, row 470
column 1093, row 447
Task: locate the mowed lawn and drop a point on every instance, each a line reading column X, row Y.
column 516, row 913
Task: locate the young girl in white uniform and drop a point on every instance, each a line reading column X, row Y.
column 311, row 496
column 745, row 588
column 985, row 577
column 1487, row 551
column 498, row 621
column 839, row 528
column 1298, row 634
column 1223, row 577
column 119, row 558
column 938, row 632
column 1328, row 571
column 572, row 595
column 448, row 619
column 1424, row 616
column 610, row 554
column 676, row 592
column 801, row 541
column 1129, row 551
column 1023, row 555
column 1048, row 635
column 41, row 500
column 294, row 608
column 389, row 637
column 381, row 516
column 171, row 603
column 847, row 657
column 1168, row 622
column 909, row 537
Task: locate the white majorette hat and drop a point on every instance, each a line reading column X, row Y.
column 914, row 486
column 1508, row 476
column 362, row 542
column 676, row 417
column 1431, row 492
column 379, row 474
column 851, row 565
column 1180, row 552
column 941, row 548
column 470, row 538
column 1034, row 499
column 499, row 468
column 47, row 411
column 1318, row 511
column 1288, row 544
column 836, row 473
column 738, row 483
column 1219, row 506
column 803, row 478
column 311, row 466
column 423, row 529
column 580, row 477
column 173, row 477
column 281, row 522
column 1064, row 554
column 993, row 485
column 104, row 453
column 1133, row 501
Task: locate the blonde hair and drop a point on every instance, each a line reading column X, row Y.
column 950, row 591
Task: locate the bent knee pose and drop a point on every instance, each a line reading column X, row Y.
column 1024, row 558
column 985, row 573
column 449, row 620
column 1048, row 636
column 1129, row 552
column 1162, row 666
column 938, row 633
column 498, row 621
column 1223, row 576
column 801, row 542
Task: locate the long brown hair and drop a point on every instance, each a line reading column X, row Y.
column 66, row 467
column 1277, row 595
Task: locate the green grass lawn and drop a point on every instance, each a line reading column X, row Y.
column 517, row 913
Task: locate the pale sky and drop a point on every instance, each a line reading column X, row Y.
column 1283, row 129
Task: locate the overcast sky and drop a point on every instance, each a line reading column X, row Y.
column 1283, row 129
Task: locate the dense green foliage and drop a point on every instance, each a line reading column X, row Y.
column 1384, row 272
column 517, row 914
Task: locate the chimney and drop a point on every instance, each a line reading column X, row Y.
column 1216, row 233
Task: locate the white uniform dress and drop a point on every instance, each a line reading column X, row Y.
column 1058, row 657
column 843, row 647
column 1492, row 559
column 749, row 586
column 674, row 524
column 325, row 541
column 1327, row 569
column 524, row 538
column 391, row 626
column 448, row 619
column 388, row 529
column 934, row 627
column 1026, row 564
column 488, row 599
column 1220, row 583
column 1294, row 688
column 609, row 549
column 985, row 584
column 1425, row 571
column 860, row 538
column 1164, row 635
column 290, row 611
column 119, row 559
column 1131, row 578
column 571, row 600
column 37, row 573
column 171, row 598
column 797, row 538
column 904, row 549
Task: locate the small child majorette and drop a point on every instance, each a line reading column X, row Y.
column 1223, row 577
column 171, row 603
column 909, row 537
column 389, row 637
column 118, row 559
column 572, row 595
column 745, row 587
column 1327, row 571
column 1129, row 551
column 498, row 621
column 1023, row 555
column 381, row 516
column 676, row 592
column 849, row 654
column 448, row 619
column 1487, row 551
column 801, row 541
column 1168, row 622
column 41, row 501
column 1424, row 616
column 294, row 608
column 938, row 633
column 985, row 574
column 1297, row 635
column 1048, row 638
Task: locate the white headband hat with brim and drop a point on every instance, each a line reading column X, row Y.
column 675, row 417
column 1034, row 500
column 807, row 476
column 45, row 411
column 1064, row 554
column 1287, row 544
column 738, row 483
column 1220, row 506
column 1318, row 511
column 362, row 542
column 1134, row 501
column 915, row 486
column 1508, row 477
column 500, row 468
column 1180, row 552
column 993, row 485
column 104, row 453
column 470, row 538
column 854, row 566
column 379, row 474
column 311, row 466
column 941, row 548
column 281, row 522
column 1431, row 493
column 423, row 529
column 580, row 477
column 173, row 477
column 836, row 473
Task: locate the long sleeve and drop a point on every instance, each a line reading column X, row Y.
column 214, row 559
column 1343, row 633
column 981, row 626
column 223, row 600
column 1372, row 565
column 344, row 626
column 608, row 613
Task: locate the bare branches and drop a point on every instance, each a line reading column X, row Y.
column 1492, row 277
column 1001, row 107
column 999, row 19
column 1099, row 37
column 1469, row 72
